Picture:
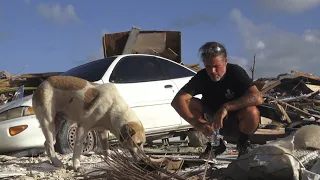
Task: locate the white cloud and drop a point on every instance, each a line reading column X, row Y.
column 243, row 62
column 278, row 51
column 291, row 6
column 58, row 14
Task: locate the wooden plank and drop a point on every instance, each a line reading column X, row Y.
column 39, row 75
column 306, row 75
column 284, row 113
column 261, row 136
column 13, row 89
column 271, row 86
column 314, row 88
column 131, row 40
column 289, row 105
column 279, row 131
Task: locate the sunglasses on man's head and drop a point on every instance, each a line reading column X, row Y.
column 213, row 49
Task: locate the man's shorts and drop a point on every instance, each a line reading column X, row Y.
column 230, row 123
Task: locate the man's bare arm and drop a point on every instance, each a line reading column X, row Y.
column 180, row 104
column 251, row 98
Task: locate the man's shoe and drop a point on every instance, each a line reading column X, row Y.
column 244, row 148
column 215, row 150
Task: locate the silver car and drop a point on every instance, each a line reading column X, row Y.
column 22, row 131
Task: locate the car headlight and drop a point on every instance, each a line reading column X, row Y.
column 16, row 113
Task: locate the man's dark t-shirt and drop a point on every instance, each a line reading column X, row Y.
column 214, row 94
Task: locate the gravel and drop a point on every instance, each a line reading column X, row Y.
column 40, row 167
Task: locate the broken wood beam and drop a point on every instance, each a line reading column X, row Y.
column 13, row 89
column 271, row 86
column 306, row 75
column 289, row 105
column 284, row 113
column 300, row 97
column 131, row 41
column 261, row 136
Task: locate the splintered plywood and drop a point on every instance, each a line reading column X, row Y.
column 314, row 88
column 168, row 43
column 150, row 43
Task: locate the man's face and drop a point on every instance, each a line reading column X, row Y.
column 216, row 67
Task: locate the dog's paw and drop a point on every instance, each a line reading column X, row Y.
column 77, row 169
column 57, row 163
column 80, row 170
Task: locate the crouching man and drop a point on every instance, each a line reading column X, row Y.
column 229, row 97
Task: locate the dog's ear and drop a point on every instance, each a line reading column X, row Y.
column 126, row 132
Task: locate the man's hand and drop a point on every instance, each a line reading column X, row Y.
column 204, row 127
column 218, row 117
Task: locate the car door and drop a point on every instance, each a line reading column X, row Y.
column 178, row 74
column 142, row 83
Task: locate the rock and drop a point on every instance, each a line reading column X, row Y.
column 4, row 158
column 307, row 137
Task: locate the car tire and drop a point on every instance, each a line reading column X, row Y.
column 196, row 139
column 66, row 137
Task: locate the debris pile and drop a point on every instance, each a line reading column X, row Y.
column 9, row 84
column 294, row 157
column 166, row 44
column 295, row 95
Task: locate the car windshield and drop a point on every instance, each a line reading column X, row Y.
column 92, row 71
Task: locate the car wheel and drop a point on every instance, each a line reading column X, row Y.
column 196, row 139
column 66, row 138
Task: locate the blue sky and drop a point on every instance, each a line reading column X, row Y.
column 45, row 36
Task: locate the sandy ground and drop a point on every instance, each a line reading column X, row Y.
column 40, row 167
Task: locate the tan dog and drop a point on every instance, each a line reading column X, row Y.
column 92, row 107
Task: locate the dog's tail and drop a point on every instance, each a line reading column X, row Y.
column 40, row 99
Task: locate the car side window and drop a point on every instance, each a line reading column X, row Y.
column 92, row 71
column 173, row 70
column 133, row 69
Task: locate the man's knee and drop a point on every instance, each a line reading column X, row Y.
column 249, row 119
column 251, row 112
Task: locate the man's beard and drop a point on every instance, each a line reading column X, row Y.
column 216, row 78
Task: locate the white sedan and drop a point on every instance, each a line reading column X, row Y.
column 148, row 83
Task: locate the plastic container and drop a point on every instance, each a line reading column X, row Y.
column 215, row 138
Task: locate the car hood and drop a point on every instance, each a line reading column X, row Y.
column 24, row 101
